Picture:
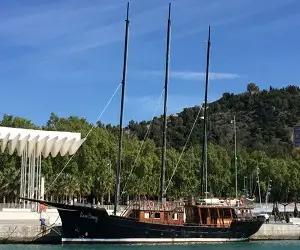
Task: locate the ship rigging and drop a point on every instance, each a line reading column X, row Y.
column 151, row 221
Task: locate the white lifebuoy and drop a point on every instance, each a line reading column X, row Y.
column 151, row 204
column 166, row 206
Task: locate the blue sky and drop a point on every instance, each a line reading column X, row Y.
column 66, row 56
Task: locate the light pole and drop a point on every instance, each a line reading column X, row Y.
column 258, row 184
column 245, row 186
column 250, row 184
column 110, row 174
column 205, row 158
column 235, row 156
column 268, row 193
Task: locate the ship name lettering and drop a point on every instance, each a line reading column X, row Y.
column 88, row 216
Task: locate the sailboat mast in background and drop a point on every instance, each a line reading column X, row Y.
column 204, row 145
column 119, row 163
column 164, row 143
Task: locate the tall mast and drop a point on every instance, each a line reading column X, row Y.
column 204, row 145
column 119, row 163
column 164, row 146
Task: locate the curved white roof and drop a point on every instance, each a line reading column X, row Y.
column 41, row 141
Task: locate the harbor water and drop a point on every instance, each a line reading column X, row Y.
column 261, row 245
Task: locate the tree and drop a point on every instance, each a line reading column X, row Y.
column 252, row 88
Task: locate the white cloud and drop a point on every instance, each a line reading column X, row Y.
column 194, row 76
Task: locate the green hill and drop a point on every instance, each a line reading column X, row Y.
column 265, row 121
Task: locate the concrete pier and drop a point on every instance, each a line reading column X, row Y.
column 18, row 232
column 278, row 231
column 22, row 233
column 23, row 225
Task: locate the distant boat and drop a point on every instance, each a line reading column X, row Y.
column 149, row 221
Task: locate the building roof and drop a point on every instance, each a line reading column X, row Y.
column 39, row 142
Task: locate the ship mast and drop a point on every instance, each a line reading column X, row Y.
column 164, row 143
column 123, row 83
column 203, row 170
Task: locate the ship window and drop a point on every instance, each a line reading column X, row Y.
column 146, row 215
column 157, row 215
column 227, row 213
column 213, row 213
column 175, row 216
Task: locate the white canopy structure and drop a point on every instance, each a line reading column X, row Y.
column 40, row 142
column 31, row 145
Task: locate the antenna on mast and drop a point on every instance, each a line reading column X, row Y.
column 203, row 170
column 119, row 163
column 164, row 144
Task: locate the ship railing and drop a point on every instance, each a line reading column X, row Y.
column 106, row 207
column 244, row 217
column 111, row 207
column 154, row 206
column 14, row 205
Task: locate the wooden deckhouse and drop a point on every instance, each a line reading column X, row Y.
column 180, row 213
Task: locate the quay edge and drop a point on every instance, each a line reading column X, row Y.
column 32, row 234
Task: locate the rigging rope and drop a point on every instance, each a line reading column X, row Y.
column 144, row 139
column 183, row 149
column 92, row 128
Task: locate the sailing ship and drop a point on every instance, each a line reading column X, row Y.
column 148, row 221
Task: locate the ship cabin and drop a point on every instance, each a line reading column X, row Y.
column 210, row 215
column 178, row 213
column 169, row 213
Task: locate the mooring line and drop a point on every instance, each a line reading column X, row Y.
column 144, row 139
column 182, row 151
column 98, row 118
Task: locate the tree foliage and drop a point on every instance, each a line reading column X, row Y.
column 264, row 127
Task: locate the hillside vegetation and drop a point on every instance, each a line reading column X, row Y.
column 264, row 130
column 265, row 121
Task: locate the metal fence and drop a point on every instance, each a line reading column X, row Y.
column 14, row 205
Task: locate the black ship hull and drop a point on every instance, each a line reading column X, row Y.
column 84, row 224
column 91, row 225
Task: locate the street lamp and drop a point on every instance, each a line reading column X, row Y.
column 205, row 156
column 258, row 184
column 268, row 193
column 108, row 164
column 245, row 186
column 235, row 156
